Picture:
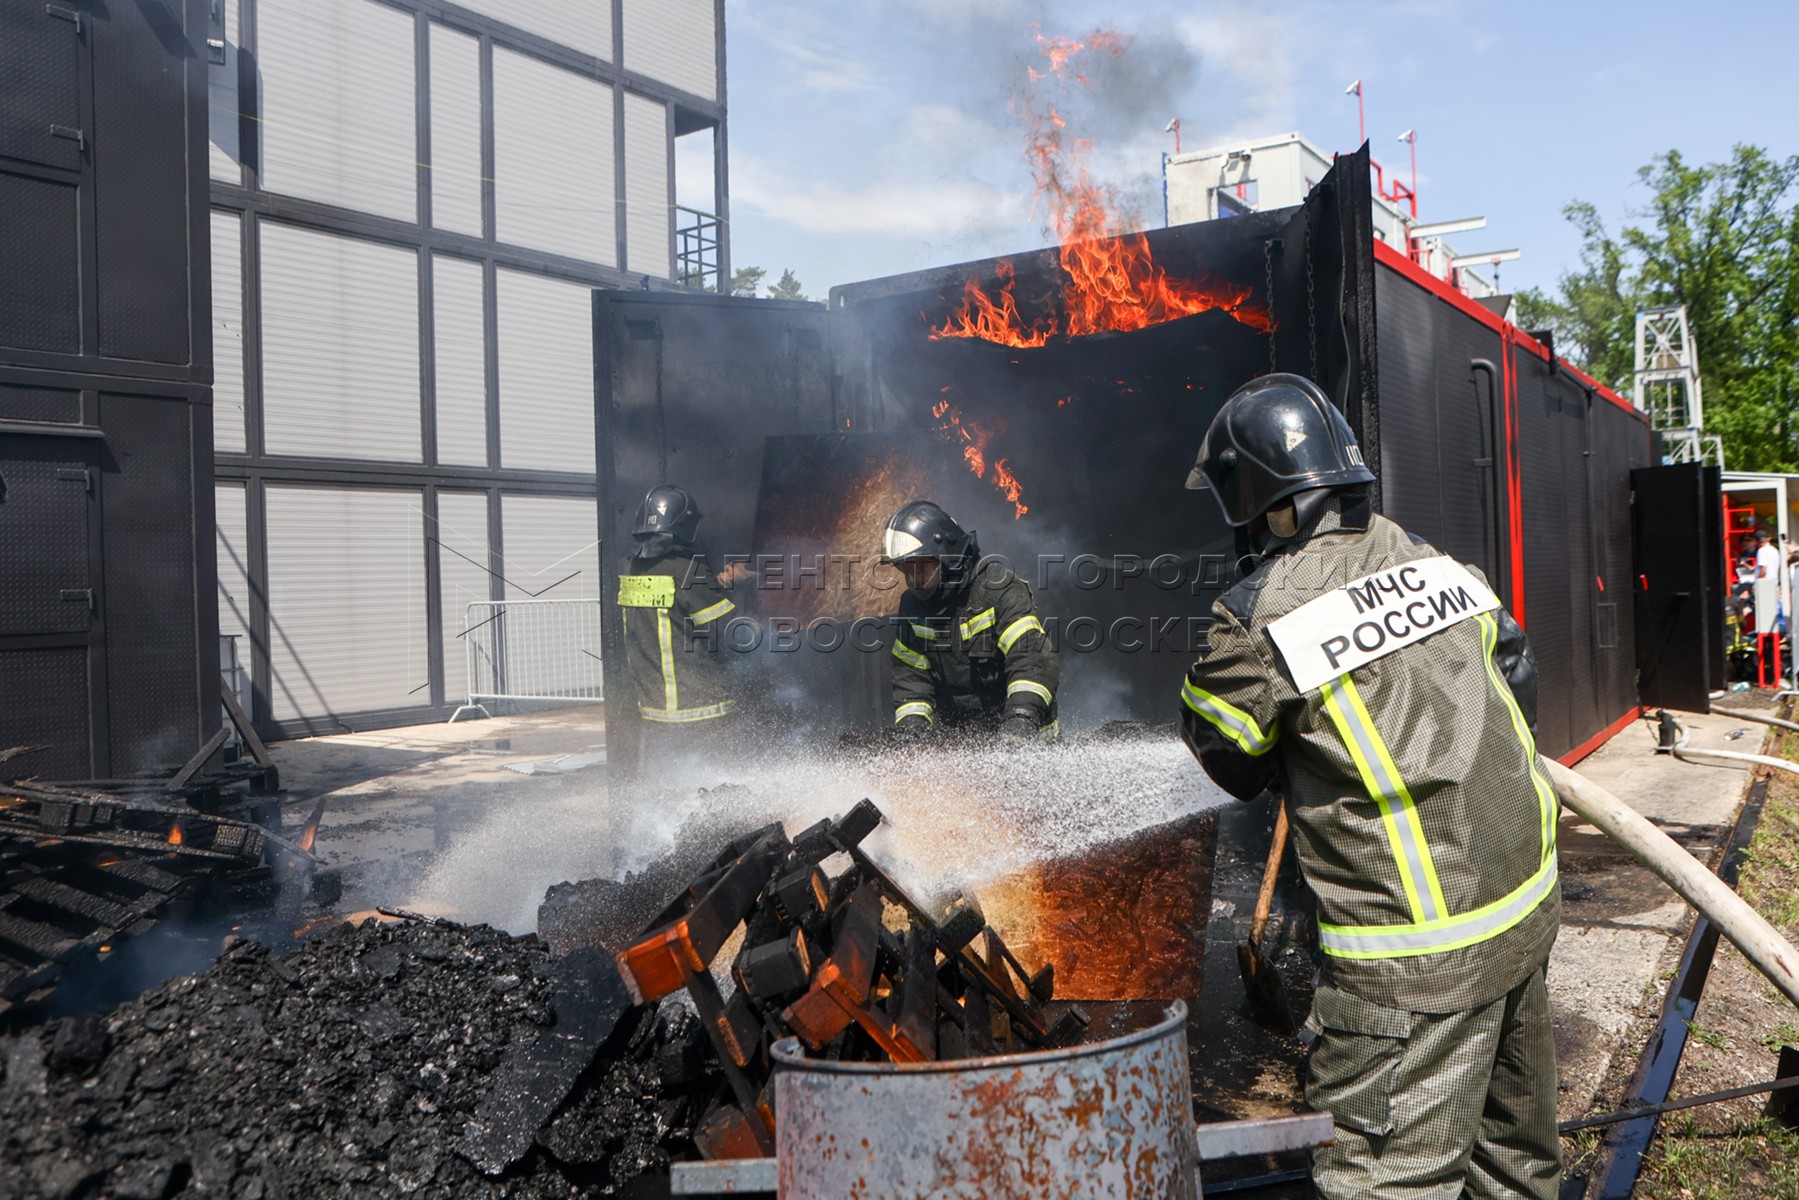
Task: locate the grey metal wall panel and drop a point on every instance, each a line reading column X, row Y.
column 227, row 332
column 455, row 131
column 40, row 55
column 553, row 160
column 223, row 118
column 44, row 703
column 57, row 405
column 40, row 287
column 460, row 540
column 649, row 219
column 340, row 346
column 674, row 42
column 347, row 625
column 551, row 547
column 231, row 544
column 152, row 639
column 43, row 536
column 459, row 337
column 546, row 373
column 140, row 189
column 337, row 104
column 584, row 25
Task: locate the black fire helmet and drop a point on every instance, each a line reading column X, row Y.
column 921, row 529
column 1278, row 435
column 669, row 510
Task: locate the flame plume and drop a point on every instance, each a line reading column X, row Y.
column 1114, row 283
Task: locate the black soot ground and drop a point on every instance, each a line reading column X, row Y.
column 347, row 1068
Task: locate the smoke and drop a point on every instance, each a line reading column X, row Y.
column 956, row 818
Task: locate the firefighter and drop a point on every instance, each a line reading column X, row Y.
column 970, row 652
column 674, row 611
column 1380, row 687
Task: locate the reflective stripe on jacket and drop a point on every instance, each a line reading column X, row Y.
column 674, row 614
column 977, row 653
column 1424, row 823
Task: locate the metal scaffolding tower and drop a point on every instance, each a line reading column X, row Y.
column 1667, row 386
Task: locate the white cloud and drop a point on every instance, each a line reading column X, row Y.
column 882, row 205
column 1248, row 68
column 816, row 57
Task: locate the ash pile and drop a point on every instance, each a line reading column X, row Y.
column 376, row 1060
column 428, row 1059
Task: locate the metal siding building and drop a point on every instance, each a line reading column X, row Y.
column 412, row 201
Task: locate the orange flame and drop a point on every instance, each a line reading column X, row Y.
column 175, row 837
column 1113, row 282
column 308, row 836
column 991, row 320
column 973, row 438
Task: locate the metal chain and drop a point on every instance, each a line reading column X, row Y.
column 1268, row 266
column 1311, row 304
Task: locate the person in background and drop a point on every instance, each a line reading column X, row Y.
column 674, row 611
column 1767, row 606
column 970, row 652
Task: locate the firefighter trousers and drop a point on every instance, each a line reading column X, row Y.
column 1437, row 1105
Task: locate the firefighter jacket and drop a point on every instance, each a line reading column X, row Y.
column 1395, row 709
column 975, row 653
column 674, row 613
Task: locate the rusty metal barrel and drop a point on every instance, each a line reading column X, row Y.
column 1113, row 1119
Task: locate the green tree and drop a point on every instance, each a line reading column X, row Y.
column 787, row 287
column 745, row 280
column 1723, row 239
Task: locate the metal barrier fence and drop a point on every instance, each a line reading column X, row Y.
column 543, row 650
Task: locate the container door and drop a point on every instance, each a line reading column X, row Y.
column 1678, row 559
column 688, row 387
column 46, row 605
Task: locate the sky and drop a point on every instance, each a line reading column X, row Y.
column 873, row 137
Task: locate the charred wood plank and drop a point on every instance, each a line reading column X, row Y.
column 711, row 1007
column 661, row 960
column 44, row 941
column 915, row 1022
column 535, row 1076
column 144, row 875
column 98, row 909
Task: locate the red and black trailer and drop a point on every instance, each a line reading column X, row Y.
column 801, row 426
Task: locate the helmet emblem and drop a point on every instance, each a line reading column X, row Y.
column 1294, row 437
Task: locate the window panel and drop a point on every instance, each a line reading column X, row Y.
column 458, row 337
column 649, row 226
column 340, row 346
column 554, row 183
column 455, row 131
column 338, row 121
column 546, row 373
column 346, row 602
column 227, row 333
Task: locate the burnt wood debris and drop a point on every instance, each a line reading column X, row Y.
column 419, row 1057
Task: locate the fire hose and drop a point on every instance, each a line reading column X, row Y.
column 1748, row 930
column 1674, row 741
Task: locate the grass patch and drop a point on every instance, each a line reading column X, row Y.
column 1707, row 1153
column 1755, row 1158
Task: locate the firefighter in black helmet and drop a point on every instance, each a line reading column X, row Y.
column 1380, row 686
column 970, row 651
column 674, row 610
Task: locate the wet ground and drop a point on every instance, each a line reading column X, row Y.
column 440, row 819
